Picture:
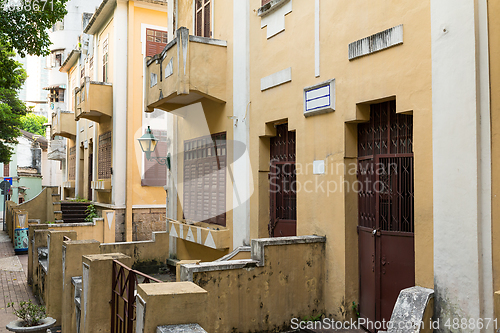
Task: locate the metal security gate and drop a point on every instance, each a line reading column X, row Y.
column 282, row 180
column 386, row 210
column 124, row 290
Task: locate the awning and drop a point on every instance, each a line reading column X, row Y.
column 56, row 86
column 70, row 61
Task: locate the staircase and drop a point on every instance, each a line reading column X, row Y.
column 71, row 212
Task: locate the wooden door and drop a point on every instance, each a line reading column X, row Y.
column 91, row 171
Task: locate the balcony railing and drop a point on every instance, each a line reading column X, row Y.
column 189, row 69
column 94, row 100
column 69, row 184
column 101, row 185
column 209, row 235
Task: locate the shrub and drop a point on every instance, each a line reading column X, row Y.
column 28, row 312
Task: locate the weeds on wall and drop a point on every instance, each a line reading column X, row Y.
column 355, row 309
column 78, row 199
column 91, row 213
column 312, row 318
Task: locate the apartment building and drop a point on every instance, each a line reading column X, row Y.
column 196, row 78
column 105, row 78
column 356, row 120
column 63, row 36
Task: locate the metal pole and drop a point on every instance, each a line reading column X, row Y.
column 4, row 202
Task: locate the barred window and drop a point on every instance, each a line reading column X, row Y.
column 72, row 163
column 104, row 158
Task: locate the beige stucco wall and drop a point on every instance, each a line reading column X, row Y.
column 402, row 73
column 96, row 294
column 494, row 57
column 143, row 253
column 72, row 267
column 290, row 285
column 166, row 302
column 284, row 281
column 54, row 284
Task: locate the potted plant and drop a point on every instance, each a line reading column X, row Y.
column 32, row 318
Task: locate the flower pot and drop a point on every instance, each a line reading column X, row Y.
column 18, row 326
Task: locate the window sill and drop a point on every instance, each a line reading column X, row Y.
column 270, row 7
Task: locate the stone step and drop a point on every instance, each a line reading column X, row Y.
column 74, row 220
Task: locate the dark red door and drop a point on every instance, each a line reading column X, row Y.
column 386, row 216
column 91, row 177
column 282, row 184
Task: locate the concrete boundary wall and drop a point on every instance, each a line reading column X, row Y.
column 53, row 285
column 39, row 207
column 284, row 279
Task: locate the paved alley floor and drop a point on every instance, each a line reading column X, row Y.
column 13, row 283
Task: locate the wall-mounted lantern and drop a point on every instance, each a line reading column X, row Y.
column 148, row 145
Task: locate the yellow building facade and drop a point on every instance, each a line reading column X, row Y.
column 299, row 49
column 191, row 79
column 340, row 107
column 255, row 88
column 105, row 78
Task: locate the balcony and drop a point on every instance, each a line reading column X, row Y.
column 94, row 100
column 57, row 150
column 189, row 69
column 63, row 124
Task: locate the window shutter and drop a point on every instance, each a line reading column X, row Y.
column 199, row 23
column 206, row 20
column 205, row 179
column 6, row 170
column 203, row 23
column 156, row 40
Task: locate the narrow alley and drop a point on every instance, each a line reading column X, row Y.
column 13, row 283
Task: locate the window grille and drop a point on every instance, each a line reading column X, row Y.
column 72, row 163
column 104, row 159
